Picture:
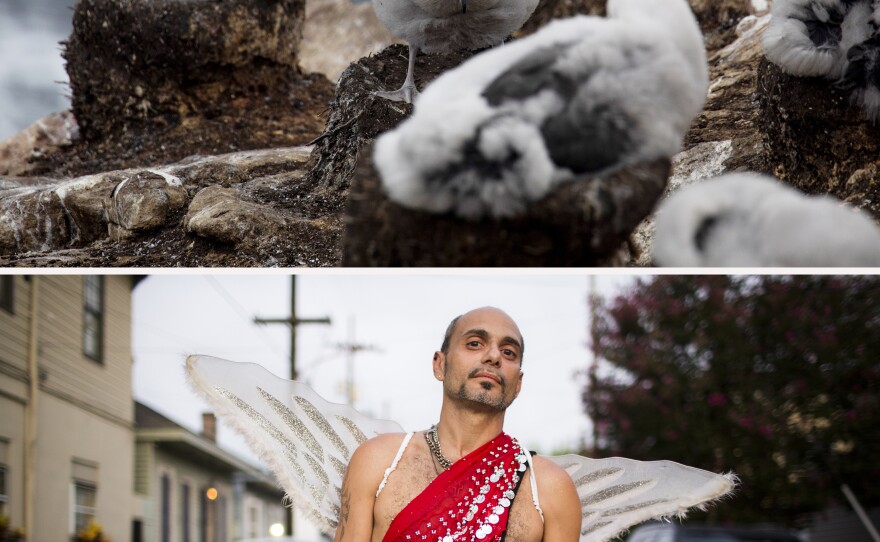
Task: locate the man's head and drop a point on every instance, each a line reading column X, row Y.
column 450, row 329
column 480, row 359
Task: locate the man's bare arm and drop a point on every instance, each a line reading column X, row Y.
column 559, row 501
column 362, row 478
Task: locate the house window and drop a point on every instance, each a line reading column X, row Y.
column 4, row 495
column 93, row 317
column 166, row 508
column 254, row 522
column 84, row 498
column 185, row 512
column 6, row 301
column 221, row 519
column 137, row 530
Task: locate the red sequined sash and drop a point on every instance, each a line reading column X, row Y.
column 469, row 501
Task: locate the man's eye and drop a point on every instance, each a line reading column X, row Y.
column 474, row 343
column 509, row 352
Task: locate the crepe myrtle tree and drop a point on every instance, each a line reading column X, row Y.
column 776, row 378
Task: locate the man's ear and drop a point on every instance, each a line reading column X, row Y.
column 439, row 364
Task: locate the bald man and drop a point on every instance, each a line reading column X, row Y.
column 464, row 479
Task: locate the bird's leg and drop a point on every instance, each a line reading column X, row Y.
column 408, row 92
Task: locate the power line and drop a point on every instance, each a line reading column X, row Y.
column 242, row 313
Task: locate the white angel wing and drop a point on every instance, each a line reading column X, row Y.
column 617, row 493
column 305, row 440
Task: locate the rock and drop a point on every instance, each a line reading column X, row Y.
column 719, row 19
column 142, row 202
column 339, row 32
column 197, row 172
column 816, row 140
column 140, row 63
column 43, row 137
column 582, row 223
column 84, row 203
column 701, row 162
column 219, row 214
column 76, row 212
column 34, row 220
column 862, row 188
column 731, row 111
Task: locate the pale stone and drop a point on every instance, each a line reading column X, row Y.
column 337, row 33
column 34, row 220
column 219, row 214
column 42, row 137
column 45, row 214
column 142, row 202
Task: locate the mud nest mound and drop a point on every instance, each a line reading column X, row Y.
column 154, row 81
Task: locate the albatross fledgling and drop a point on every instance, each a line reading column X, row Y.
column 752, row 220
column 444, row 26
column 835, row 39
column 583, row 96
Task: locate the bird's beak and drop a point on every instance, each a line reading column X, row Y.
column 463, row 5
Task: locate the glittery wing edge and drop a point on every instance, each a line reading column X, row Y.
column 617, row 493
column 305, row 440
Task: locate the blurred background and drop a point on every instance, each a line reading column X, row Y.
column 772, row 377
column 33, row 82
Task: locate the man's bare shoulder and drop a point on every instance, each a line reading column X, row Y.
column 559, row 501
column 547, row 471
column 377, row 453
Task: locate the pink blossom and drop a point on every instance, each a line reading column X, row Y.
column 716, row 399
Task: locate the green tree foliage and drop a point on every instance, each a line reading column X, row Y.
column 775, row 378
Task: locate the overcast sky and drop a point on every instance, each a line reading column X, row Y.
column 401, row 317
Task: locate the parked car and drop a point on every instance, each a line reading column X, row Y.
column 672, row 532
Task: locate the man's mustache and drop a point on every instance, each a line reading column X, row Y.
column 482, row 371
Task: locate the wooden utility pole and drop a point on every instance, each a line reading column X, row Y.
column 293, row 321
column 351, row 347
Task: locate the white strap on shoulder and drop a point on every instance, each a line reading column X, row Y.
column 393, row 466
column 534, row 486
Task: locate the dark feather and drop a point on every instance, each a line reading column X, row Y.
column 529, row 76
column 863, row 69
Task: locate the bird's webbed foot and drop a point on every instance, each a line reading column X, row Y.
column 407, row 93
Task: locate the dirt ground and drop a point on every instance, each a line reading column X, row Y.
column 291, row 116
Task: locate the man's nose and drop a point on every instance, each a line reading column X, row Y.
column 493, row 355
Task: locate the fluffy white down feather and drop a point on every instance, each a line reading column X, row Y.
column 787, row 42
column 752, row 220
column 646, row 62
column 815, row 38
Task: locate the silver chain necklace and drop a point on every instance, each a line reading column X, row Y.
column 434, row 445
